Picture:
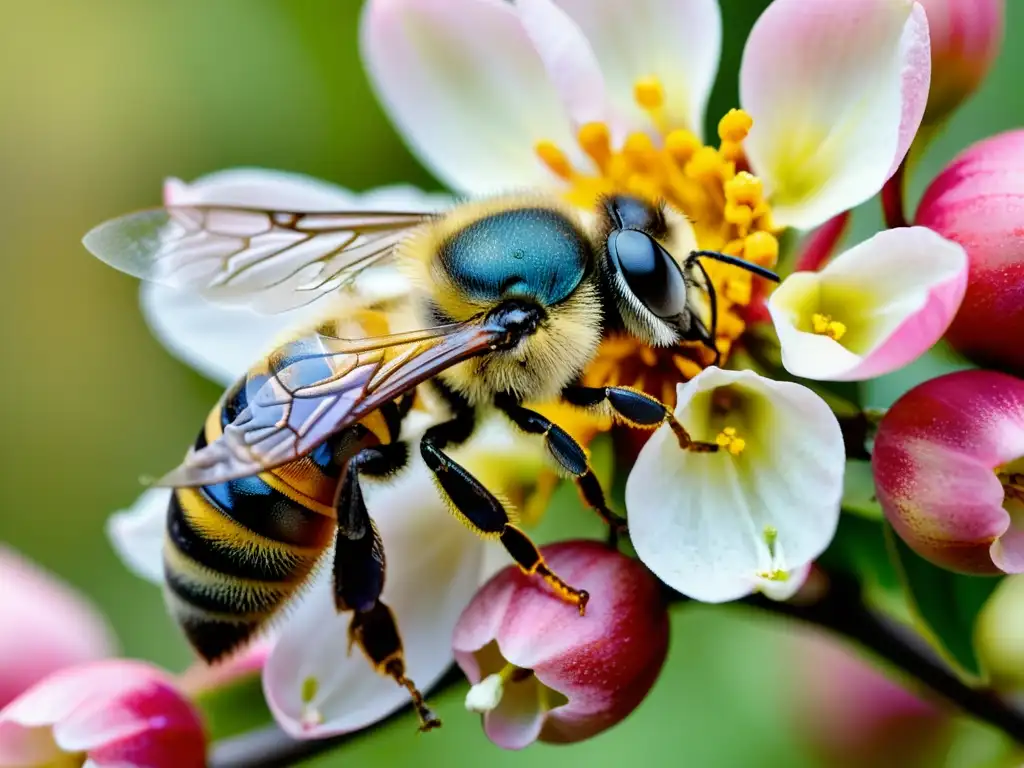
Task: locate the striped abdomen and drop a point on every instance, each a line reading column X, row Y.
column 236, row 551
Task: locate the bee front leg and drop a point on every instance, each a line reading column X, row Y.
column 570, row 457
column 481, row 509
column 637, row 409
column 359, row 568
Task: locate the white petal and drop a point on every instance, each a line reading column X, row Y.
column 896, row 294
column 676, row 41
column 223, row 342
column 462, row 81
column 137, row 534
column 711, row 525
column 568, row 59
column 837, row 89
column 433, row 571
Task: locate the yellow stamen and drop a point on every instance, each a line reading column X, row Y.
column 824, row 325
column 681, row 145
column 761, row 248
column 595, row 140
column 732, row 442
column 554, row 158
column 649, row 93
column 735, row 126
column 744, row 189
column 310, row 716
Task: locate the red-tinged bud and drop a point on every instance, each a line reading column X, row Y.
column 976, row 201
column 965, row 36
column 949, row 471
column 853, row 715
column 107, row 713
column 540, row 670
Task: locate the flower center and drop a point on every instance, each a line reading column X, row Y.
column 730, row 441
column 824, row 325
column 713, row 187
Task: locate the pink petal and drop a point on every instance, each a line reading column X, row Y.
column 837, row 89
column 896, row 293
column 46, row 626
column 464, row 84
column 676, row 42
column 568, row 59
column 118, row 712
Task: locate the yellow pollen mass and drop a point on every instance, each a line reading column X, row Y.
column 824, row 325
column 730, row 441
column 711, row 185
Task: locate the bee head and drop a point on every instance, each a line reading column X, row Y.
column 661, row 300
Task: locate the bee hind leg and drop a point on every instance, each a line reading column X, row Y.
column 570, row 457
column 359, row 567
column 482, row 510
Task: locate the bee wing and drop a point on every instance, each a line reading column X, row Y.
column 316, row 386
column 271, row 261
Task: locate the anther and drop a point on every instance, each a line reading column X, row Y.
column 824, row 325
column 744, row 189
column 681, row 145
column 649, row 93
column 595, row 140
column 734, row 126
column 761, row 248
column 487, row 694
column 730, row 441
column 639, row 149
column 554, row 158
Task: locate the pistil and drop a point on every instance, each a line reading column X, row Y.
column 486, row 695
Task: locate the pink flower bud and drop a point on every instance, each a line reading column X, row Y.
column 540, row 670
column 949, row 471
column 966, row 36
column 854, row 715
column 107, row 713
column 976, row 201
column 45, row 626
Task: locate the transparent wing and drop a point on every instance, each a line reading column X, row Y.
column 316, row 386
column 271, row 261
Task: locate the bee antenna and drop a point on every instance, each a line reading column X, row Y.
column 757, row 269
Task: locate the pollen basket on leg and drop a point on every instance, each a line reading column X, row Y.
column 711, row 184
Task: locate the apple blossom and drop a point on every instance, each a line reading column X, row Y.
column 872, row 309
column 540, row 671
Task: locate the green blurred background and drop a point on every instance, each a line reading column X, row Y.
column 100, row 101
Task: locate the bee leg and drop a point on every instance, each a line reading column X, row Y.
column 359, row 567
column 570, row 457
column 481, row 510
column 637, row 409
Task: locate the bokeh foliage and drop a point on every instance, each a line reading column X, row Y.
column 99, row 102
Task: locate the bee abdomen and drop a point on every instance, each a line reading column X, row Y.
column 233, row 555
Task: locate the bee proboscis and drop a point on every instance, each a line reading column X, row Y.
column 512, row 296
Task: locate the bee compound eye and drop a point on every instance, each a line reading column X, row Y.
column 649, row 271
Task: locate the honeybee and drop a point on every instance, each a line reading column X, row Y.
column 512, row 296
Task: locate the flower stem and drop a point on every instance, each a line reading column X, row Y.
column 892, row 198
column 840, row 610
